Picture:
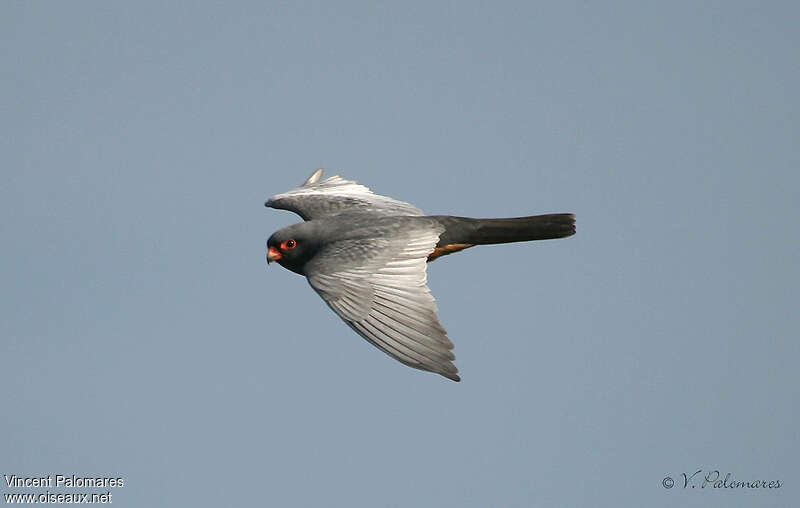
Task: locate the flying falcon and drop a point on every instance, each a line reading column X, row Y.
column 366, row 256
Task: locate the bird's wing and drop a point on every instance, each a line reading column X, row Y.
column 319, row 198
column 384, row 297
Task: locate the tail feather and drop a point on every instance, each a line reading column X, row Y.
column 523, row 229
column 465, row 230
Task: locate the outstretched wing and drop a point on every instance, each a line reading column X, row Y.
column 319, row 198
column 384, row 297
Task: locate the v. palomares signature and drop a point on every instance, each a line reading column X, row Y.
column 715, row 480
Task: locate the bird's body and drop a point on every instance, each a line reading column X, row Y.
column 366, row 256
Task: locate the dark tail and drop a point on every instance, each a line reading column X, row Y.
column 464, row 230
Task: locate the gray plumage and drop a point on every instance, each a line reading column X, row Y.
column 366, row 256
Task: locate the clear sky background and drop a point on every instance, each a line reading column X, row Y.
column 142, row 334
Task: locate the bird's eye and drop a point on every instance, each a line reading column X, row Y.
column 289, row 244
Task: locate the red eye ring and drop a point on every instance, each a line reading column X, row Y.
column 289, row 244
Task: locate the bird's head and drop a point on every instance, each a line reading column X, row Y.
column 292, row 247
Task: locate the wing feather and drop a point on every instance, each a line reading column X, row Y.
column 319, row 198
column 397, row 328
column 386, row 300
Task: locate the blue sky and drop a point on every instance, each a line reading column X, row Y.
column 143, row 336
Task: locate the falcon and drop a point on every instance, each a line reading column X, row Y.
column 366, row 255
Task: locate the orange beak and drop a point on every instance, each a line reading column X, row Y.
column 273, row 254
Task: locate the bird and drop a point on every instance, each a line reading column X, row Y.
column 366, row 255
